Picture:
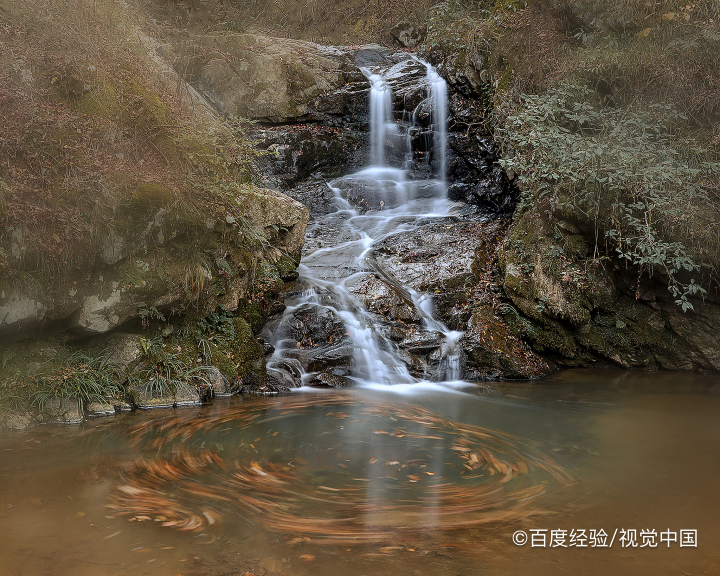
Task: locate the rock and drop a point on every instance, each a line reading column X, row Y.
column 312, row 326
column 21, row 310
column 63, row 411
column 421, row 343
column 122, row 406
column 371, row 191
column 337, row 354
column 99, row 299
column 436, row 256
column 186, row 395
column 145, row 398
column 329, row 380
column 281, row 381
column 268, row 348
column 476, row 177
column 379, row 297
column 302, row 152
column 262, row 78
column 578, row 312
column 219, row 384
column 698, row 329
column 17, row 422
column 407, row 35
column 494, row 352
column 97, row 409
column 122, row 348
column 464, row 70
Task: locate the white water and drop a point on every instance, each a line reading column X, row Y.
column 438, row 88
column 338, row 263
column 380, row 116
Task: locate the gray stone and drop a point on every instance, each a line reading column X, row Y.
column 406, row 34
column 97, row 409
column 263, row 78
column 218, row 382
column 329, row 380
column 123, row 348
column 17, row 422
column 63, row 411
column 103, row 299
column 144, row 398
column 281, row 381
column 186, row 395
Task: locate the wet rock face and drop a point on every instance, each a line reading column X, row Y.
column 312, row 326
column 454, row 261
column 296, row 154
column 473, row 170
column 436, row 257
column 324, row 133
column 315, row 340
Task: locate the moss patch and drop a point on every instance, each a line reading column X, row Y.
column 149, row 197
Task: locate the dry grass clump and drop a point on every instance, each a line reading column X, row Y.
column 88, row 123
column 630, row 52
column 322, row 21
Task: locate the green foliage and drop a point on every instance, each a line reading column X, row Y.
column 6, row 357
column 217, row 329
column 620, row 168
column 167, row 369
column 149, row 313
column 83, row 378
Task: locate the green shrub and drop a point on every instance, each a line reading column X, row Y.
column 623, row 170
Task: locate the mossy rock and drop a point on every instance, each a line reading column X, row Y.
column 150, row 197
column 239, row 358
column 101, row 102
column 253, row 314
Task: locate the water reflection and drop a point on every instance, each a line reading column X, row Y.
column 332, row 468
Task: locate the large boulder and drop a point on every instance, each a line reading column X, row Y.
column 262, row 78
column 578, row 310
column 162, row 261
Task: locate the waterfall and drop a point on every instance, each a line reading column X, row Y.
column 438, row 91
column 380, row 116
column 393, row 200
